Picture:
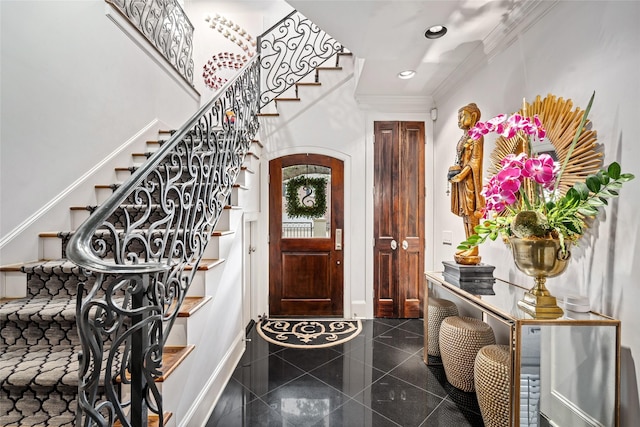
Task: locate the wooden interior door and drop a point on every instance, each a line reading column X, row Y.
column 399, row 193
column 306, row 252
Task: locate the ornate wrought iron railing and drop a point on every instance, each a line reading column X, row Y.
column 166, row 26
column 142, row 247
column 289, row 51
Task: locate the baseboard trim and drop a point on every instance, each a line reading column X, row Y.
column 359, row 310
column 204, row 404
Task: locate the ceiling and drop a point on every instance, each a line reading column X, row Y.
column 389, row 37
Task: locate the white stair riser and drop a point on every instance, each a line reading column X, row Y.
column 229, row 219
column 138, row 159
column 122, row 175
column 244, row 178
column 102, row 194
column 50, row 248
column 78, row 217
column 13, row 284
column 240, row 197
column 251, row 161
column 218, row 247
column 187, row 330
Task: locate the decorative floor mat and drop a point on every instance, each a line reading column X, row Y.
column 307, row 333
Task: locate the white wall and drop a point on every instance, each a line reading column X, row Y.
column 74, row 88
column 253, row 16
column 578, row 47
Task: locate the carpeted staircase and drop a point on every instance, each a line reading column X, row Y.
column 39, row 342
column 39, row 348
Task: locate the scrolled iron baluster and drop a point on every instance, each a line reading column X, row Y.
column 289, row 51
column 166, row 26
column 144, row 245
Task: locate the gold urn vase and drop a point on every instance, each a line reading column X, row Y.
column 540, row 258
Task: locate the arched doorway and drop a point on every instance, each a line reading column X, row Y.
column 306, row 235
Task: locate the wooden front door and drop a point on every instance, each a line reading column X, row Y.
column 398, row 218
column 306, row 236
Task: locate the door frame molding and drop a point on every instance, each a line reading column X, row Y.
column 348, row 247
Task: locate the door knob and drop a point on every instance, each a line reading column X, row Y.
column 394, row 245
column 405, row 245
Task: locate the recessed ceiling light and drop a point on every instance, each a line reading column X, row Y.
column 406, row 74
column 435, row 32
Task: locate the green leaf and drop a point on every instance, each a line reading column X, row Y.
column 572, row 194
column 582, row 190
column 626, row 177
column 609, row 193
column 614, row 170
column 588, row 211
column 573, row 227
column 615, row 185
column 595, row 202
column 593, row 183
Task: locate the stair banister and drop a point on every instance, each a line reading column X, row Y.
column 154, row 285
column 289, row 51
column 155, row 282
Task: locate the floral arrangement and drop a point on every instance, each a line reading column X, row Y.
column 522, row 199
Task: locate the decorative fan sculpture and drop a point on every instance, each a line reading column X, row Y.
column 561, row 122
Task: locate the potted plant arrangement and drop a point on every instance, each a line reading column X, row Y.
column 525, row 207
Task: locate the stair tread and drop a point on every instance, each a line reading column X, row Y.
column 12, row 267
column 48, row 265
column 207, row 264
column 39, row 309
column 338, row 68
column 192, row 304
column 153, row 420
column 257, row 142
column 217, row 233
column 46, row 366
column 172, row 357
column 268, row 114
column 286, row 99
column 308, row 84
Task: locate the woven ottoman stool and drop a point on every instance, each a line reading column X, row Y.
column 438, row 310
column 491, row 374
column 461, row 338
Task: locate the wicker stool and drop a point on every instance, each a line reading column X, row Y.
column 491, row 374
column 438, row 310
column 460, row 340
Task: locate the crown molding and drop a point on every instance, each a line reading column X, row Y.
column 524, row 15
column 399, row 104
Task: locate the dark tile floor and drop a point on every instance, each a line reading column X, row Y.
column 376, row 379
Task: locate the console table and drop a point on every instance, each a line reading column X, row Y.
column 564, row 371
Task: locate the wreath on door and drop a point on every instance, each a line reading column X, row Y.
column 306, row 197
